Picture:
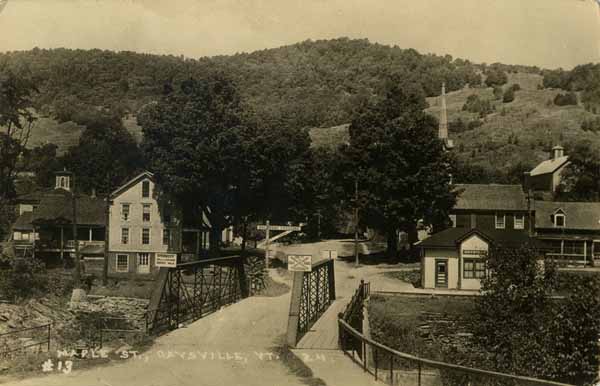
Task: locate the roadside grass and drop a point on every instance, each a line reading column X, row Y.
column 398, row 321
column 412, row 276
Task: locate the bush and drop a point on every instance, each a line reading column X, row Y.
column 498, row 92
column 516, row 87
column 567, row 99
column 474, row 104
column 25, row 278
column 509, row 96
column 496, row 77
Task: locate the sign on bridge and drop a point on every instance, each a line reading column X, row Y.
column 278, row 227
column 299, row 263
column 166, row 260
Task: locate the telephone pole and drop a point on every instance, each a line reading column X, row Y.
column 356, row 262
column 77, row 272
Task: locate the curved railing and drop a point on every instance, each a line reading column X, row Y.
column 395, row 367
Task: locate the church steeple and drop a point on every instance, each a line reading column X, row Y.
column 443, row 129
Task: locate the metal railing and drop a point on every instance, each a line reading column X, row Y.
column 397, row 368
column 318, row 291
column 192, row 290
column 38, row 336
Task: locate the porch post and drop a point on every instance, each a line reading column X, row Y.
column 62, row 242
column 33, row 243
column 198, row 235
column 584, row 253
column 90, row 234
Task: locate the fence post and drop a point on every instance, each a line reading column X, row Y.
column 331, row 279
column 242, row 278
column 364, row 355
column 49, row 327
column 419, row 384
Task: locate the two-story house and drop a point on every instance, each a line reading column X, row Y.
column 483, row 215
column 569, row 231
column 142, row 225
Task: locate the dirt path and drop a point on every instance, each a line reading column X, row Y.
column 239, row 345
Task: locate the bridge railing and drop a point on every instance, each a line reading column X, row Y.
column 312, row 293
column 398, row 368
column 192, row 290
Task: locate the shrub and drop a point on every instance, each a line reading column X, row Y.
column 516, row 87
column 25, row 278
column 498, row 92
column 567, row 99
column 509, row 96
column 474, row 104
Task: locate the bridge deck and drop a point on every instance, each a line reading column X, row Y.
column 324, row 333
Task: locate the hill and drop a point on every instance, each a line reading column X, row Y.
column 318, row 84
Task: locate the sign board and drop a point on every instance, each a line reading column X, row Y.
column 166, row 260
column 278, row 228
column 329, row 254
column 301, row 263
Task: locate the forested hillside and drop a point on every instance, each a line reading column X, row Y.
column 319, row 84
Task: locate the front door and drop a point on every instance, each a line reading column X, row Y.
column 441, row 273
column 143, row 265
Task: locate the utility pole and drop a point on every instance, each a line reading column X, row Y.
column 267, row 245
column 77, row 273
column 106, row 236
column 319, row 224
column 356, row 262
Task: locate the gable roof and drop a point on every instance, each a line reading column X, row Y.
column 578, row 215
column 56, row 208
column 451, row 237
column 549, row 166
column 132, row 182
column 490, row 197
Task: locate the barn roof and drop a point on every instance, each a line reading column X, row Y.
column 55, row 208
column 549, row 166
column 578, row 215
column 490, row 197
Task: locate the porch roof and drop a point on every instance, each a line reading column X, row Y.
column 58, row 209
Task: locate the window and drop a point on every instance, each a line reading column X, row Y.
column 146, row 212
column 500, row 221
column 166, row 236
column 122, row 263
column 145, row 189
column 519, row 221
column 17, row 236
column 146, row 236
column 473, row 268
column 573, row 247
column 453, row 220
column 559, row 220
column 125, row 212
column 124, row 235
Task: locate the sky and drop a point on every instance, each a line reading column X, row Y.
column 546, row 33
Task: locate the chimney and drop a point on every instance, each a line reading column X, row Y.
column 557, row 152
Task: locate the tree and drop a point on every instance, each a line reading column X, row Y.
column 495, row 77
column 106, row 155
column 567, row 99
column 581, row 179
column 16, row 120
column 528, row 332
column 44, row 162
column 400, row 166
